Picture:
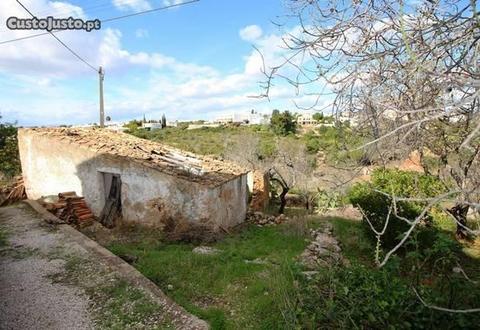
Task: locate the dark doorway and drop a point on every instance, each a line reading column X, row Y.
column 112, row 211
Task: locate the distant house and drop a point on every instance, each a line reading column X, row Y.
column 306, row 119
column 151, row 126
column 150, row 182
column 247, row 118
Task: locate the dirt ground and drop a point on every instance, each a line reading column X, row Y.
column 47, row 281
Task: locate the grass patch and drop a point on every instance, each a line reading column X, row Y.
column 256, row 283
column 354, row 242
column 249, row 284
column 124, row 306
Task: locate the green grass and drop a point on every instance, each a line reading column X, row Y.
column 355, row 244
column 225, row 289
column 231, row 293
column 125, row 306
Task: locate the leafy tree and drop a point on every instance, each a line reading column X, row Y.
column 9, row 157
column 283, row 123
column 133, row 125
column 375, row 199
column 318, row 116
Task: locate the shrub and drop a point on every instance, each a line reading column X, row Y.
column 375, row 205
column 326, row 200
column 366, row 298
column 283, row 123
column 9, row 157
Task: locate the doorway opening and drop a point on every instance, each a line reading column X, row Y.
column 112, row 211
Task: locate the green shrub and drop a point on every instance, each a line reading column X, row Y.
column 366, row 298
column 9, row 157
column 326, row 200
column 283, row 123
column 376, row 205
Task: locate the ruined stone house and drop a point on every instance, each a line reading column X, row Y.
column 152, row 182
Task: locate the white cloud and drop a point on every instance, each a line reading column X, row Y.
column 52, row 87
column 172, row 2
column 136, row 5
column 142, row 33
column 112, row 56
column 44, row 55
column 251, row 33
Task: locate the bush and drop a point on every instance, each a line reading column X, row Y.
column 366, row 298
column 326, row 200
column 283, row 123
column 9, row 157
column 375, row 205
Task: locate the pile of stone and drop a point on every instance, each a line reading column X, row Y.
column 322, row 251
column 261, row 219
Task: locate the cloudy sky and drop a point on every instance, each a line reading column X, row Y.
column 196, row 61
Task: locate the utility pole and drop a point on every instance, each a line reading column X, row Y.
column 101, row 76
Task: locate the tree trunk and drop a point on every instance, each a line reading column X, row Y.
column 283, row 200
column 459, row 212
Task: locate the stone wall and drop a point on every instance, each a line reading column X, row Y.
column 51, row 165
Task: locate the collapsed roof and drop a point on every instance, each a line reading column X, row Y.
column 185, row 165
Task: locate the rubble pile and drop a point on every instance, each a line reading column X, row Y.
column 322, row 251
column 262, row 219
column 71, row 209
column 13, row 193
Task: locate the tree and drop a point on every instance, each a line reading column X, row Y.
column 289, row 166
column 292, row 168
column 318, row 116
column 133, row 125
column 9, row 157
column 164, row 121
column 283, row 123
column 407, row 71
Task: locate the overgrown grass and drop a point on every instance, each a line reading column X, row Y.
column 125, row 306
column 255, row 282
column 363, row 296
column 355, row 244
column 248, row 284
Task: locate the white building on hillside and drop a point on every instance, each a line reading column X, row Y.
column 306, row 119
column 250, row 118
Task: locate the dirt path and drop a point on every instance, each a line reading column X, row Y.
column 49, row 281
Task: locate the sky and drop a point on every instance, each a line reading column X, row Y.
column 195, row 61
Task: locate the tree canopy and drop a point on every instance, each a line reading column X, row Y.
column 283, row 123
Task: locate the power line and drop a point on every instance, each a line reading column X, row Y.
column 92, row 10
column 105, row 20
column 61, row 42
column 66, row 11
column 149, row 11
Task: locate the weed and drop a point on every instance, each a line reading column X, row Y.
column 238, row 287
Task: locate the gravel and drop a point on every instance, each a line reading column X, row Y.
column 30, row 298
